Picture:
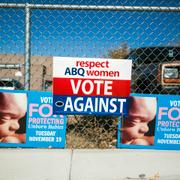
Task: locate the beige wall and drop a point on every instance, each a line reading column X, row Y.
column 37, row 77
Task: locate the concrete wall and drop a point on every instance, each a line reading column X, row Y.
column 92, row 164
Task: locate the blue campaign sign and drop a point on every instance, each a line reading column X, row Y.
column 34, row 124
column 168, row 123
column 153, row 123
column 90, row 105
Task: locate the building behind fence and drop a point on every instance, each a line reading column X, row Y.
column 31, row 34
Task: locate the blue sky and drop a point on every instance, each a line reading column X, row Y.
column 88, row 33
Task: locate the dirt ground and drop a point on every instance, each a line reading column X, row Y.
column 91, row 132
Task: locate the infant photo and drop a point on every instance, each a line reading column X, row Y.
column 139, row 126
column 13, row 107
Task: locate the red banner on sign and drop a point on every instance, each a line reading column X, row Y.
column 91, row 87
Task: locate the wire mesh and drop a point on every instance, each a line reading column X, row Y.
column 148, row 36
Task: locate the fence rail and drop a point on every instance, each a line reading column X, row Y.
column 92, row 7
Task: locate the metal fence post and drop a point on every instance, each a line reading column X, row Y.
column 27, row 47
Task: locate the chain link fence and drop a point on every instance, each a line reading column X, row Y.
column 31, row 34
